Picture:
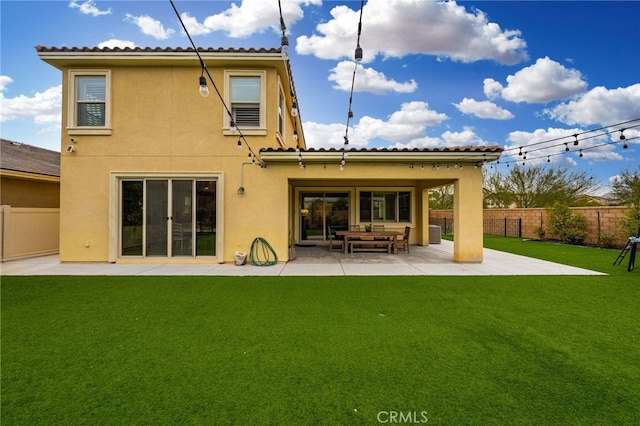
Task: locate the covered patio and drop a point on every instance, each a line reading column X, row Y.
column 339, row 189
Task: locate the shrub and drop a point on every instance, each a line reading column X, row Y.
column 540, row 232
column 569, row 227
column 607, row 240
column 630, row 223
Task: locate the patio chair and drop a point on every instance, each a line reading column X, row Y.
column 380, row 228
column 333, row 239
column 404, row 242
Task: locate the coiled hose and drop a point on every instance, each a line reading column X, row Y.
column 261, row 252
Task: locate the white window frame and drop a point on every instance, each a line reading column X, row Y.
column 72, row 109
column 397, row 190
column 260, row 130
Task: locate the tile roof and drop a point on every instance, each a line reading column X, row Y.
column 21, row 157
column 467, row 148
column 85, row 49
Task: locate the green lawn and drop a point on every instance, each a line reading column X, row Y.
column 317, row 350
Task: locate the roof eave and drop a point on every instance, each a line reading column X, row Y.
column 378, row 157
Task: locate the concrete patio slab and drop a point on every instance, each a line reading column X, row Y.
column 435, row 259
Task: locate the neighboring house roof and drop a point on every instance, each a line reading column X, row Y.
column 444, row 154
column 20, row 157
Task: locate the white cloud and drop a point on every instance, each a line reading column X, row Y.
column 483, row 109
column 43, row 107
column 150, row 26
column 251, row 17
column 396, row 28
column 542, row 82
column 402, row 127
column 367, row 80
column 318, row 135
column 5, row 80
column 466, row 137
column 492, row 88
column 88, row 7
column 116, row 43
column 600, row 106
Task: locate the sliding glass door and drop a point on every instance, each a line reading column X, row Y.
column 159, row 217
column 321, row 210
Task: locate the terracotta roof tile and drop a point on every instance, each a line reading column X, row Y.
column 21, row 157
column 468, row 148
column 86, row 49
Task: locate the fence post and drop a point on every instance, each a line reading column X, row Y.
column 505, row 227
column 520, row 227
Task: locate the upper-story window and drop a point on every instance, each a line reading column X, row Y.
column 246, row 96
column 89, row 102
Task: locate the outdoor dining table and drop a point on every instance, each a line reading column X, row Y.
column 359, row 235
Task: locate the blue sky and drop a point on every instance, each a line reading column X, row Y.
column 510, row 73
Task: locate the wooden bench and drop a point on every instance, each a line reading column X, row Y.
column 362, row 245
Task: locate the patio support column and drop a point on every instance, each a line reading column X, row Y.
column 424, row 218
column 467, row 218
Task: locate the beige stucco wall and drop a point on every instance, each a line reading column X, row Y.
column 162, row 127
column 24, row 192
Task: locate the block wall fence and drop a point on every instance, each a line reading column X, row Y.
column 600, row 221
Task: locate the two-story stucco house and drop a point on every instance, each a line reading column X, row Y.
column 151, row 171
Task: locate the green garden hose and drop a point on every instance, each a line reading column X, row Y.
column 261, row 252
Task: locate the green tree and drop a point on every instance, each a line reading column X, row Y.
column 535, row 186
column 626, row 188
column 441, row 198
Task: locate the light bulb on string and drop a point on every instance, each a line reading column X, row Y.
column 294, row 109
column 358, row 54
column 284, row 47
column 576, row 141
column 203, row 89
column 239, row 145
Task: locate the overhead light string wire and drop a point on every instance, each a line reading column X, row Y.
column 575, row 135
column 284, row 50
column 205, row 70
column 568, row 140
column 357, row 60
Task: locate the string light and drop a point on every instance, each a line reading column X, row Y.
column 357, row 58
column 205, row 70
column 203, row 90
